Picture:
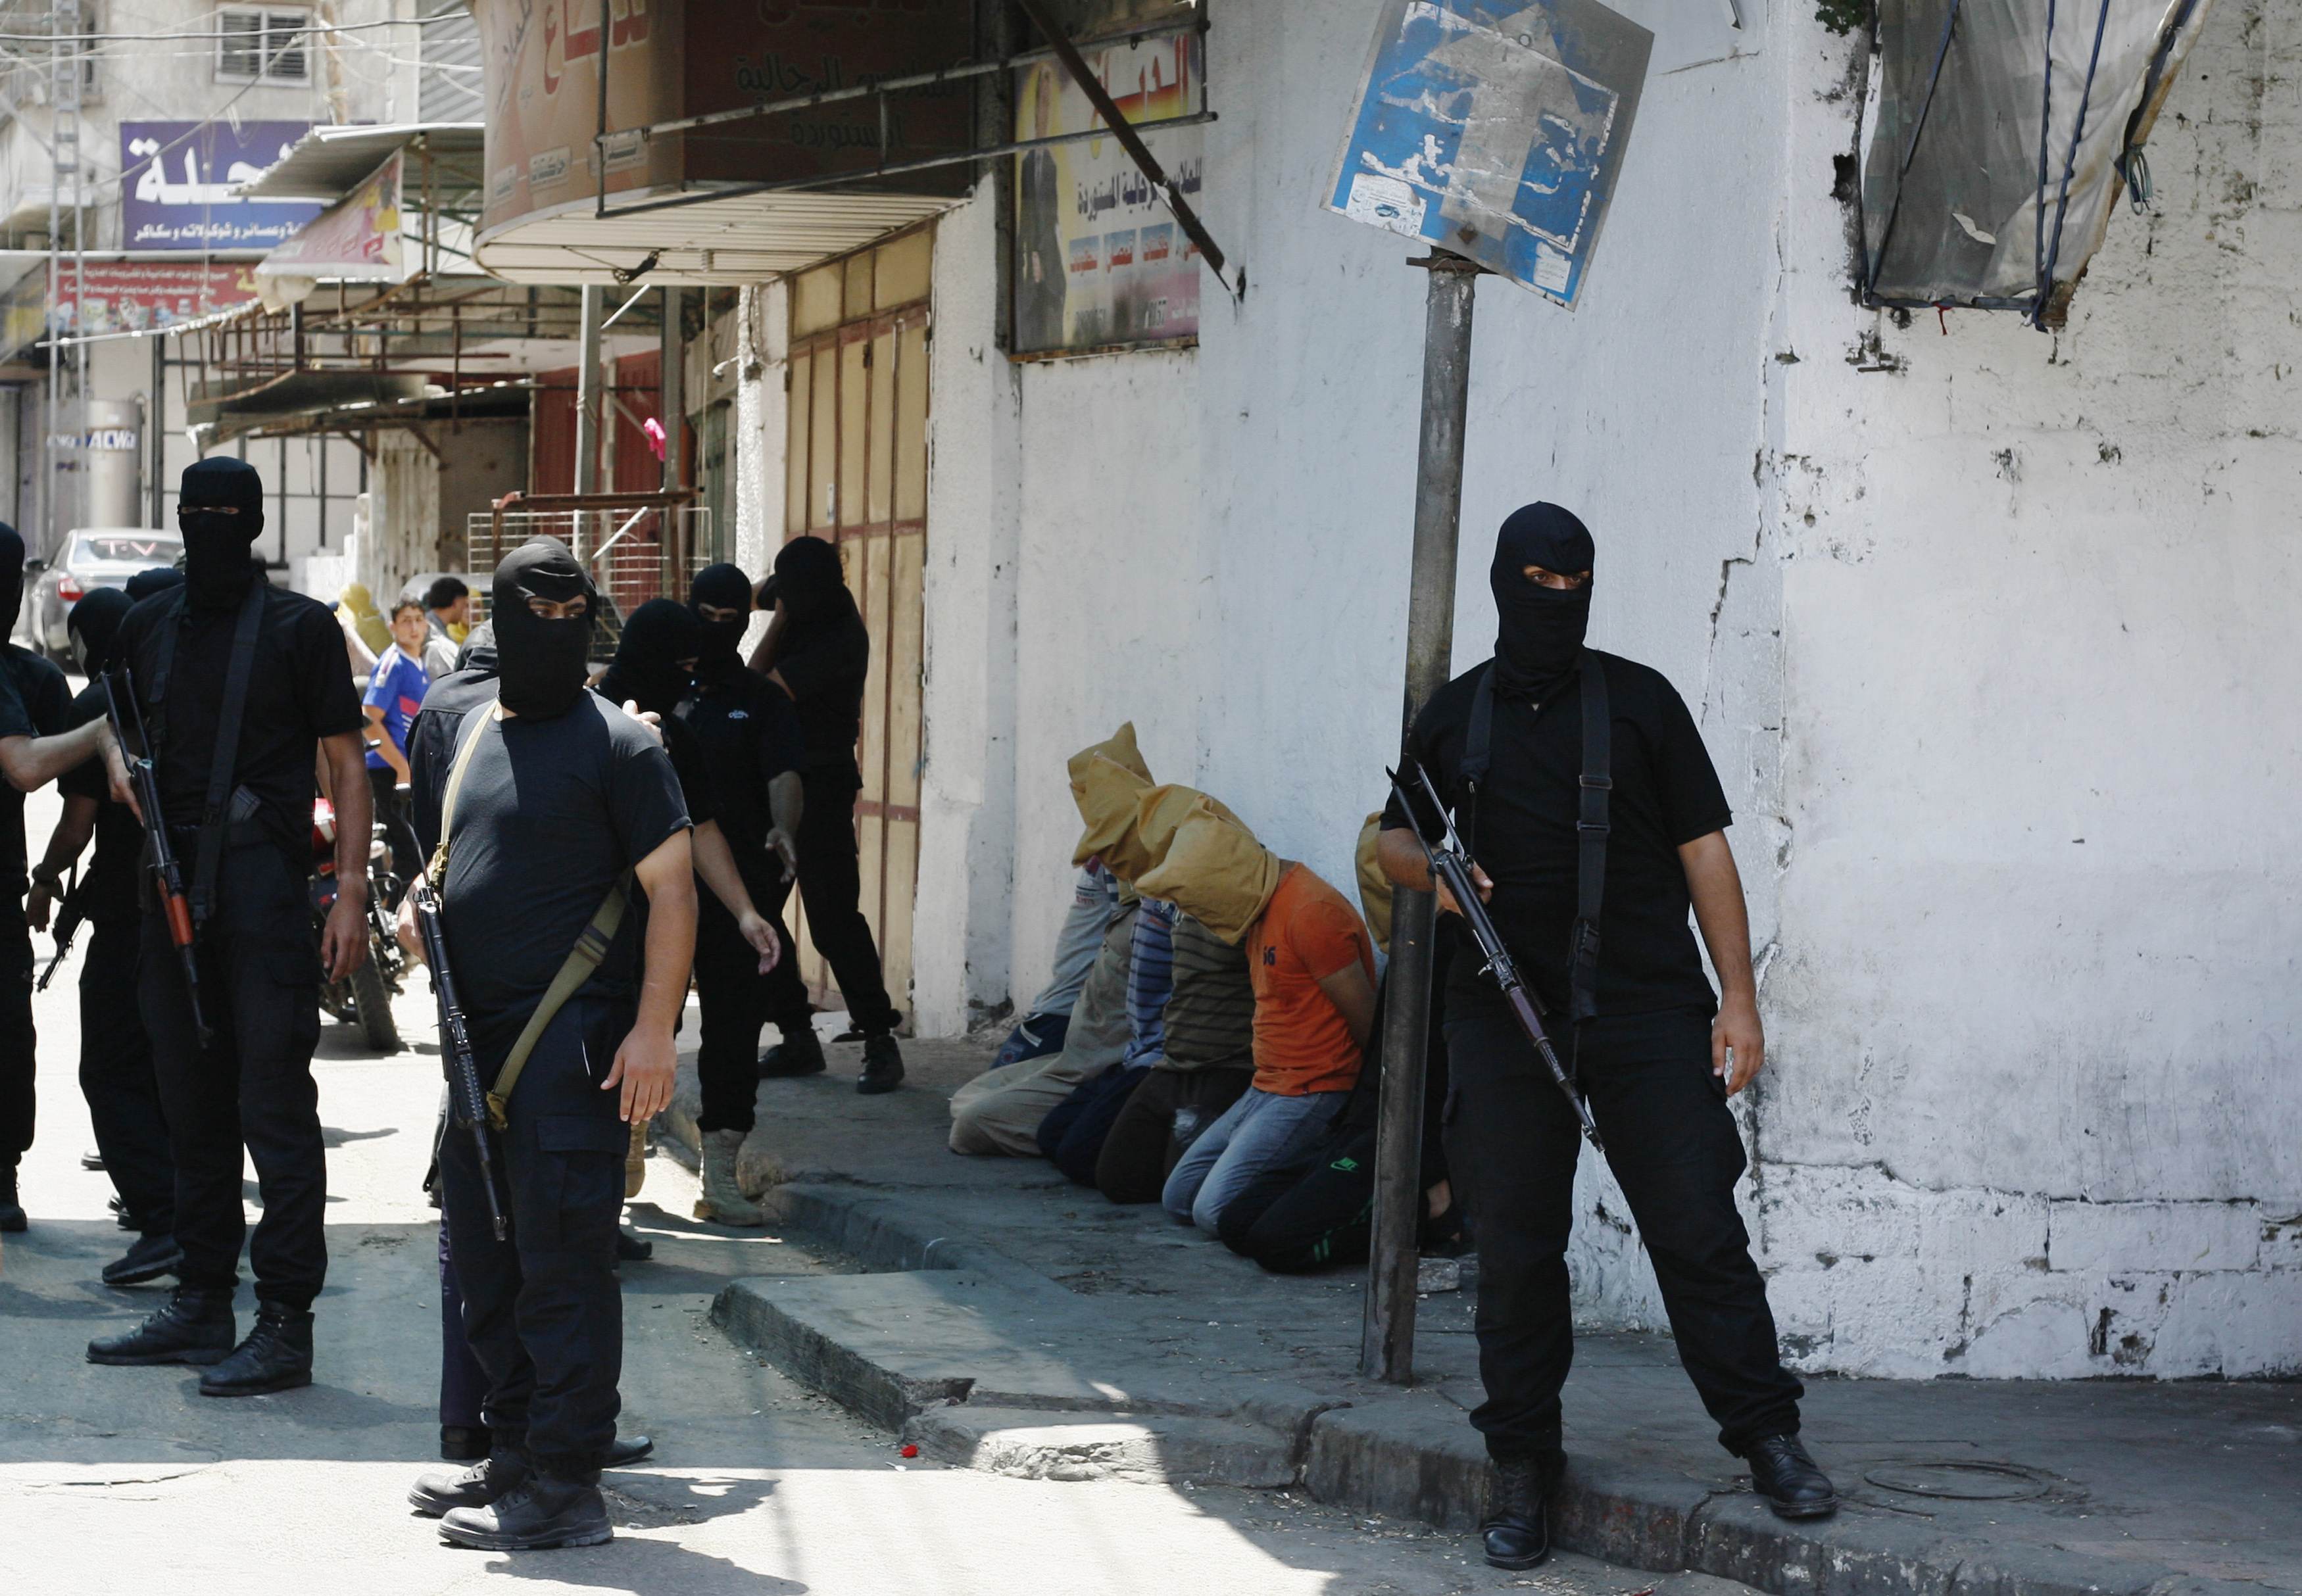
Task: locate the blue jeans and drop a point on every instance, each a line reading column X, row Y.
column 1260, row 1129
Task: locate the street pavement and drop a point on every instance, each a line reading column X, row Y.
column 127, row 1479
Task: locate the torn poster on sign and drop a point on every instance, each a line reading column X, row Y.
column 1495, row 129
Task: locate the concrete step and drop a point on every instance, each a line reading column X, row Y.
column 1027, row 1443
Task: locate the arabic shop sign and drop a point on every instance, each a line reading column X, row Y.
column 1098, row 259
column 177, row 180
column 1495, row 129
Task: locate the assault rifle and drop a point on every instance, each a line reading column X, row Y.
column 468, row 1098
column 167, row 874
column 70, row 914
column 1451, row 866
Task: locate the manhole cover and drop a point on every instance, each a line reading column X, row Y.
column 1960, row 1481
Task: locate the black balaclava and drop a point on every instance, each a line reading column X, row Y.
column 1540, row 629
column 810, row 581
column 541, row 663
column 723, row 587
column 220, row 510
column 95, row 627
column 11, row 573
column 152, row 579
column 657, row 636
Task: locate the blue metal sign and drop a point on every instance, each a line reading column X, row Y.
column 1495, row 129
column 176, row 182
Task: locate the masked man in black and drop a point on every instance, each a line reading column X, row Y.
column 242, row 687
column 35, row 749
column 818, row 653
column 751, row 738
column 115, row 1056
column 1656, row 1054
column 554, row 814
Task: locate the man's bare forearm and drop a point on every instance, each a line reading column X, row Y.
column 31, row 763
column 786, row 802
column 69, row 840
column 355, row 810
column 1716, row 887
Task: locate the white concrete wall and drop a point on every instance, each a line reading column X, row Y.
column 2031, row 1107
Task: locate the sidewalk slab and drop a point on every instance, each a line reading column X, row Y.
column 1027, row 1325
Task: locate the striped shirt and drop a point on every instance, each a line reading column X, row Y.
column 1211, row 1016
column 1150, row 978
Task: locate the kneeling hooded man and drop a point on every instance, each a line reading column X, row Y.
column 560, row 849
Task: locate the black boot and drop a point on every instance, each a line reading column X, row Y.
column 883, row 1066
column 541, row 1512
column 194, row 1327
column 488, row 1481
column 12, row 1212
column 628, row 1450
column 799, row 1052
column 151, row 1257
column 1793, row 1486
column 276, row 1357
column 1516, row 1529
column 464, row 1443
column 631, row 1248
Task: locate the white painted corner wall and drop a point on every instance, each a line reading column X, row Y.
column 1988, row 632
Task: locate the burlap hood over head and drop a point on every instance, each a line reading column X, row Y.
column 1107, row 779
column 1374, row 886
column 1210, row 865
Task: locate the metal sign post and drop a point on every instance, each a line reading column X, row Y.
column 1493, row 130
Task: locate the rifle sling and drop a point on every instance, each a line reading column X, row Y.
column 591, row 945
column 1591, row 827
column 238, row 677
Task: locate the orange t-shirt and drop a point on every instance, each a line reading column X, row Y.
column 1308, row 932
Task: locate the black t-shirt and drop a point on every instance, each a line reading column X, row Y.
column 298, row 692
column 551, row 814
column 35, row 702
column 1666, row 793
column 824, row 663
column 750, row 734
column 108, row 891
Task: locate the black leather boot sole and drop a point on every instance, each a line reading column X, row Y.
column 522, row 1521
column 199, row 1356
column 283, row 1380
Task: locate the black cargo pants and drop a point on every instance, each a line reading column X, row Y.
column 1512, row 1140
column 542, row 1310
column 117, row 1078
column 734, row 997
column 18, row 1044
column 831, row 887
column 259, row 966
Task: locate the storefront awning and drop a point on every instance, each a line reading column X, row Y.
column 702, row 238
column 329, row 163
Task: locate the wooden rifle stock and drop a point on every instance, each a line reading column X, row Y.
column 167, row 874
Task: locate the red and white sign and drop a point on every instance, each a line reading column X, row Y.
column 134, row 295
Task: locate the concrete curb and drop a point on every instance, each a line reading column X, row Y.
column 1407, row 1456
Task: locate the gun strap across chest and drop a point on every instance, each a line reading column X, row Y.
column 1595, row 790
column 591, row 945
column 239, row 676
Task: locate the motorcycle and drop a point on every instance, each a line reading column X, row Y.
column 363, row 998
